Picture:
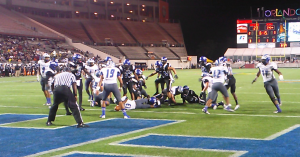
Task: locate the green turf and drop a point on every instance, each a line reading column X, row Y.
column 254, row 119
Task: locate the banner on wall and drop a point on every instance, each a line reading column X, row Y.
column 163, row 11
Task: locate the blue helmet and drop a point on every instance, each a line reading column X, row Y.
column 126, row 62
column 203, row 59
column 53, row 65
column 185, row 87
column 158, row 64
column 97, row 74
column 164, row 60
column 138, row 71
column 76, row 57
column 46, row 57
column 265, row 59
column 152, row 100
column 107, row 59
column 217, row 62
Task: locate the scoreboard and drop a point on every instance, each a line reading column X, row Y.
column 254, row 34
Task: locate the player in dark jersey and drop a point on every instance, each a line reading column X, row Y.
column 230, row 83
column 78, row 67
column 127, row 70
column 139, row 84
column 190, row 96
column 167, row 75
column 159, row 80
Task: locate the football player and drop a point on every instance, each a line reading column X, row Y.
column 43, row 66
column 190, row 96
column 138, row 104
column 98, row 91
column 109, row 76
column 266, row 68
column 139, row 84
column 176, row 90
column 205, row 68
column 159, row 80
column 78, row 67
column 126, row 71
column 91, row 68
column 230, row 83
column 218, row 73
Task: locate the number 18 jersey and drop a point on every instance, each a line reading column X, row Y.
column 219, row 73
column 110, row 75
column 267, row 71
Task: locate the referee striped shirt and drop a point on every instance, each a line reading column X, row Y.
column 64, row 79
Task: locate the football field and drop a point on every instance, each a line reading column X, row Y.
column 177, row 131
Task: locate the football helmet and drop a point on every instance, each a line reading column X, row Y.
column 76, row 57
column 126, row 62
column 110, row 64
column 185, row 89
column 265, row 59
column 90, row 62
column 164, row 60
column 180, row 89
column 107, row 59
column 158, row 64
column 139, row 72
column 203, row 59
column 46, row 57
column 217, row 62
column 53, row 65
column 152, row 100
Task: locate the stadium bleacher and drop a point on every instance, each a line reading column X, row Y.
column 111, row 50
column 162, row 52
column 134, row 52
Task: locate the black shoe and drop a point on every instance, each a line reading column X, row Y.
column 68, row 113
column 82, row 126
column 48, row 123
column 82, row 109
column 111, row 101
column 155, row 93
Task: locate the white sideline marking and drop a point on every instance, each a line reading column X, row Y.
column 100, row 153
column 164, row 112
column 236, row 152
column 101, row 139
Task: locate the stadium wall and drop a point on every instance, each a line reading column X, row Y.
column 174, row 63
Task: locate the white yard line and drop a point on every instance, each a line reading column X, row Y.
column 100, row 153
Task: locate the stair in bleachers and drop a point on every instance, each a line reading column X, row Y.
column 167, row 33
column 87, row 33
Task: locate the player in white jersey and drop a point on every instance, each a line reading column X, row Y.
column 219, row 75
column 43, row 67
column 266, row 68
column 138, row 104
column 91, row 68
column 109, row 75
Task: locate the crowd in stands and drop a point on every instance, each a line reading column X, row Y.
column 27, row 52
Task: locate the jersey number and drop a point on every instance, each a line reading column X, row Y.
column 217, row 73
column 265, row 73
column 112, row 71
column 43, row 70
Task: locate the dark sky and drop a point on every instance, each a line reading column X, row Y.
column 209, row 26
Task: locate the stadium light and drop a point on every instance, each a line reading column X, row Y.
column 95, row 1
column 112, row 16
column 128, row 18
column 95, row 13
column 77, row 12
column 144, row 20
column 127, row 4
column 143, row 5
column 143, row 9
column 130, row 11
column 111, row 2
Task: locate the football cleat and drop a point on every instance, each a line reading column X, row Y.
column 237, row 107
column 49, row 123
column 92, row 103
column 277, row 111
column 82, row 125
column 205, row 111
column 126, row 117
column 102, row 116
column 215, row 107
column 227, row 108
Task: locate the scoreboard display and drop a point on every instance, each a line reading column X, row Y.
column 253, row 34
column 262, row 32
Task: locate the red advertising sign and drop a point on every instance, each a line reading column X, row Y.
column 163, row 11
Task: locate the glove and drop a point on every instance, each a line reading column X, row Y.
column 176, row 77
column 254, row 80
column 201, row 94
column 37, row 78
column 280, row 77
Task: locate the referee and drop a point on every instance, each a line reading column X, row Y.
column 62, row 93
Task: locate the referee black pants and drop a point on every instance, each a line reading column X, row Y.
column 64, row 94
